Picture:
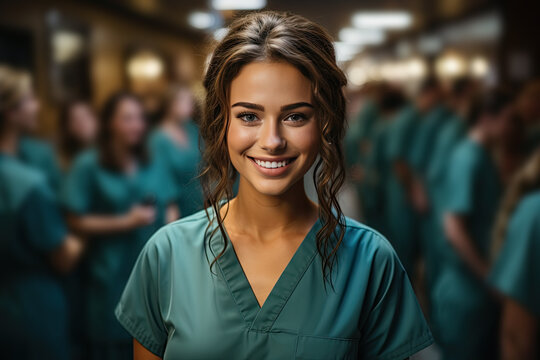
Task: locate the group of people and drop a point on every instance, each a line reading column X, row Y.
column 75, row 213
column 452, row 178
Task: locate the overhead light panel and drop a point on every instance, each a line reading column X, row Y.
column 362, row 36
column 346, row 51
column 201, row 19
column 382, row 20
column 238, row 4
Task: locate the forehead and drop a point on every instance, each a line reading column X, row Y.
column 270, row 84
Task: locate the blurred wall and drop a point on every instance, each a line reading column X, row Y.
column 111, row 35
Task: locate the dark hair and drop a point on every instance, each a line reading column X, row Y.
column 108, row 111
column 277, row 36
column 460, row 86
column 430, row 83
column 491, row 103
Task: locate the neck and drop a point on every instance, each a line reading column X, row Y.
column 123, row 156
column 9, row 141
column 264, row 216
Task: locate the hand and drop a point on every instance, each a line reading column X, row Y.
column 141, row 215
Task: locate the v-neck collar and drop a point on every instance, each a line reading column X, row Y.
column 257, row 317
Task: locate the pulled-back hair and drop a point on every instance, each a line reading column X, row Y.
column 281, row 37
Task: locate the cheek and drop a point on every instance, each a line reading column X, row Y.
column 305, row 139
column 240, row 138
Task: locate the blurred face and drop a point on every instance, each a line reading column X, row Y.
column 182, row 106
column 273, row 135
column 83, row 123
column 501, row 124
column 128, row 125
column 25, row 115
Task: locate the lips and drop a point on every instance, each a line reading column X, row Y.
column 273, row 165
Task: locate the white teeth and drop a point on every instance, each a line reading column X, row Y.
column 272, row 164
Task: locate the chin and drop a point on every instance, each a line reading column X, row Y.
column 271, row 187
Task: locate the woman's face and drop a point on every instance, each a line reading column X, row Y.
column 25, row 114
column 273, row 135
column 128, row 125
column 82, row 123
column 182, row 106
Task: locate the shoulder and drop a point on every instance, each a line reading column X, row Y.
column 367, row 242
column 87, row 159
column 21, row 179
column 182, row 236
column 528, row 209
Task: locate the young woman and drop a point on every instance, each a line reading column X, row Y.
column 464, row 308
column 516, row 272
column 34, row 243
column 78, row 131
column 270, row 274
column 116, row 198
column 176, row 143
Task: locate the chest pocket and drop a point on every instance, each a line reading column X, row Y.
column 312, row 347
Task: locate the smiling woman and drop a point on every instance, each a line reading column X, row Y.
column 270, row 274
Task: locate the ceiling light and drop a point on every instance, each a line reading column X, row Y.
column 201, row 20
column 362, row 36
column 479, row 67
column 238, row 4
column 346, row 51
column 382, row 20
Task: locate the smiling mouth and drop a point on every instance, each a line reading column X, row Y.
column 272, row 164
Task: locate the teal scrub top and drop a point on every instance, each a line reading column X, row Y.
column 91, row 189
column 40, row 155
column 460, row 299
column 425, row 138
column 401, row 220
column 32, row 303
column 183, row 163
column 177, row 307
column 516, row 272
column 359, row 135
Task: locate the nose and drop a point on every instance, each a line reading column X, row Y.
column 270, row 137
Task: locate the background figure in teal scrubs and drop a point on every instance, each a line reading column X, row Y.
column 377, row 168
column 116, row 197
column 270, row 274
column 34, row 244
column 176, row 143
column 516, row 272
column 401, row 217
column 449, row 135
column 464, row 309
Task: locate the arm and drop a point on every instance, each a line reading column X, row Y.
column 140, row 352
column 172, row 213
column 105, row 224
column 64, row 258
column 519, row 331
column 458, row 235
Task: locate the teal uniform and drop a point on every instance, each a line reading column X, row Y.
column 377, row 171
column 516, row 272
column 40, row 155
column 401, row 221
column 91, row 189
column 183, row 162
column 451, row 133
column 177, row 307
column 33, row 314
column 359, row 142
column 463, row 308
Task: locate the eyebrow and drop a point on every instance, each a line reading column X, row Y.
column 261, row 108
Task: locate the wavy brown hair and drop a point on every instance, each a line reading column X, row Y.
column 284, row 37
column 525, row 181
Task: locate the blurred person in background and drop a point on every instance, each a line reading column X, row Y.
column 516, row 272
column 35, row 247
column 358, row 146
column 464, row 308
column 78, row 128
column 377, row 169
column 400, row 215
column 116, row 198
column 528, row 109
column 461, row 96
column 251, row 277
column 176, row 143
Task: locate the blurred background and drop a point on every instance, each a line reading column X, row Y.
column 443, row 112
